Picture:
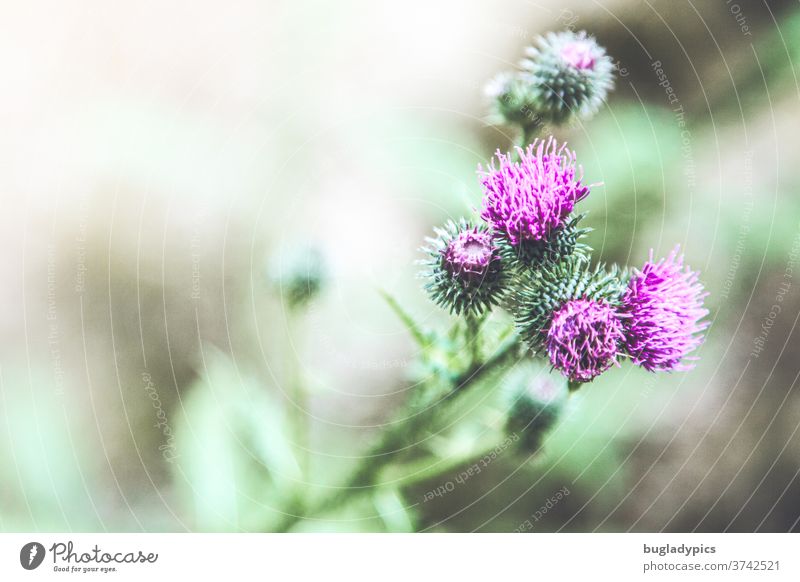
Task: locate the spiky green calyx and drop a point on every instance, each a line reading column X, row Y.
column 545, row 290
column 564, row 242
column 463, row 270
column 567, row 74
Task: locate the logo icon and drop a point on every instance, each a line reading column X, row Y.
column 31, row 555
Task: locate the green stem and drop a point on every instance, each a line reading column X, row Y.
column 473, row 339
column 429, row 471
column 528, row 133
column 298, row 395
column 390, row 443
column 506, row 351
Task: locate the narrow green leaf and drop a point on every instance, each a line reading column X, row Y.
column 422, row 337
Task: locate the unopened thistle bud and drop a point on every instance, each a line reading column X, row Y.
column 464, row 272
column 567, row 74
column 511, row 101
column 299, row 275
column 536, row 400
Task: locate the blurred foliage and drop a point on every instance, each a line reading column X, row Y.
column 235, row 464
column 632, row 152
column 46, row 485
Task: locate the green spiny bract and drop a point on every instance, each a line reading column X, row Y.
column 543, row 291
column 464, row 272
column 562, row 243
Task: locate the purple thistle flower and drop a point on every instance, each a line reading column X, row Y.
column 529, row 199
column 469, row 255
column 664, row 302
column 583, row 339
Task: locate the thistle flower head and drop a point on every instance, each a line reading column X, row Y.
column 529, row 200
column 583, row 339
column 567, row 74
column 464, row 271
column 544, row 291
column 664, row 305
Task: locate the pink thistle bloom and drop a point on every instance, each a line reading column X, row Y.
column 469, row 255
column 664, row 305
column 530, row 199
column 583, row 339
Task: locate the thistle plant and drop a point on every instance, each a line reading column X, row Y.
column 523, row 260
column 581, row 317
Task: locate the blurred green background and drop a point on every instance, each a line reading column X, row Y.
column 155, row 156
